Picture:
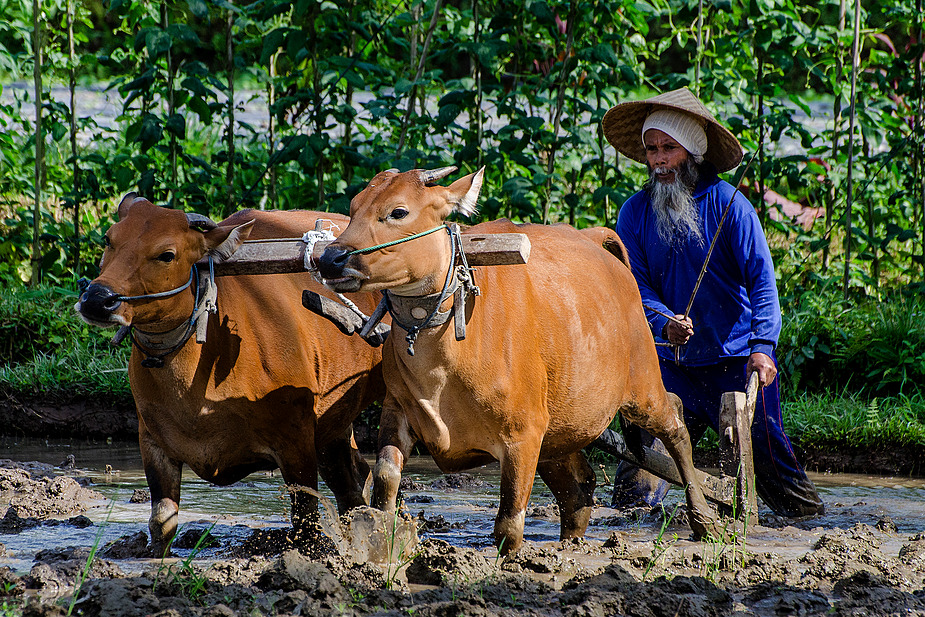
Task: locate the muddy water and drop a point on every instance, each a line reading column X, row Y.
column 461, row 513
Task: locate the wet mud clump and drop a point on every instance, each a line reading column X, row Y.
column 373, row 563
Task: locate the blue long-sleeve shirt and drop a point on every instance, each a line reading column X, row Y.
column 736, row 310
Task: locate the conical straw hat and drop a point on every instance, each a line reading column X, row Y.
column 622, row 126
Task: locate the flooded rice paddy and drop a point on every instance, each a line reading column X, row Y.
column 865, row 555
column 458, row 509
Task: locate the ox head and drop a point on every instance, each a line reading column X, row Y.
column 149, row 251
column 393, row 207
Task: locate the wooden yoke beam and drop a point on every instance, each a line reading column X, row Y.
column 287, row 255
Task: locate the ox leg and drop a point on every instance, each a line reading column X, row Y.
column 518, row 468
column 300, row 472
column 163, row 475
column 395, row 442
column 678, row 442
column 344, row 471
column 572, row 483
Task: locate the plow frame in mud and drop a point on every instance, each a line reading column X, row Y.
column 732, row 490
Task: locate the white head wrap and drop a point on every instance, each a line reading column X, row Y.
column 683, row 128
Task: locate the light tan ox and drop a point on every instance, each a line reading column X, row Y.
column 553, row 349
column 273, row 385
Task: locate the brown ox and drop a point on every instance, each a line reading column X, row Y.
column 273, row 385
column 552, row 350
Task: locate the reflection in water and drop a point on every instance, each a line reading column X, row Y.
column 462, row 516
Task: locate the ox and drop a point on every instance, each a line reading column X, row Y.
column 552, row 350
column 271, row 386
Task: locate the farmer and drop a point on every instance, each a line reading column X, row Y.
column 735, row 319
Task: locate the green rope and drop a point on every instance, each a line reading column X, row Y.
column 394, row 242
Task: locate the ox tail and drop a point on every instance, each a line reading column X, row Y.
column 610, row 241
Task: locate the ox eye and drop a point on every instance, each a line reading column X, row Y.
column 398, row 213
column 106, row 242
column 166, row 256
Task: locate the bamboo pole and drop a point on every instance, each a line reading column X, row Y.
column 75, row 175
column 229, row 49
column 855, row 54
column 836, row 133
column 39, row 143
column 560, row 103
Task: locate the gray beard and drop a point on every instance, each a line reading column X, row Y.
column 676, row 212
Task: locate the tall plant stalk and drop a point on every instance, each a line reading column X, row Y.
column 171, row 106
column 39, row 142
column 75, row 175
column 271, row 125
column 406, row 120
column 560, row 104
column 762, row 204
column 348, row 102
column 832, row 194
column 229, row 51
column 855, row 54
column 919, row 122
column 477, row 74
column 699, row 51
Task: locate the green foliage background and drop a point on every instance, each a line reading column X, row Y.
column 518, row 86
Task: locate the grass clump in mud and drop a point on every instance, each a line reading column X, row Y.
column 183, row 575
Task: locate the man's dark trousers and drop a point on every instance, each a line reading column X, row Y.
column 782, row 483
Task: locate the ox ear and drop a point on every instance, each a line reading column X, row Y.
column 464, row 193
column 126, row 204
column 224, row 241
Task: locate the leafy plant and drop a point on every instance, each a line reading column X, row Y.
column 82, row 577
column 183, row 574
column 397, row 557
column 660, row 546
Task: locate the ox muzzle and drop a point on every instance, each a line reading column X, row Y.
column 98, row 302
column 333, row 261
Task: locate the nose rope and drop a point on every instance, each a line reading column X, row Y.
column 394, row 242
column 165, row 294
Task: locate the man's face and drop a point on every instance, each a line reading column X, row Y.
column 664, row 154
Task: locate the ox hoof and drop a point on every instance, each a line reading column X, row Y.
column 708, row 529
